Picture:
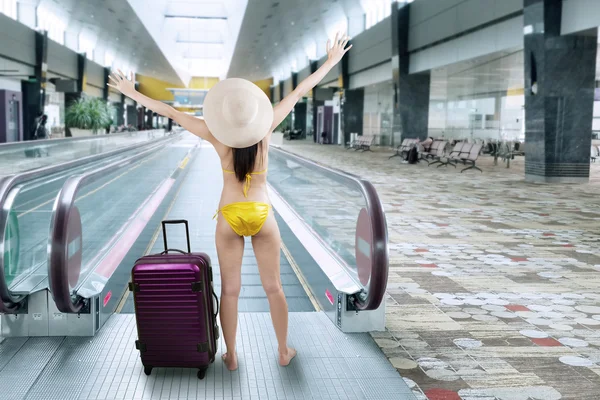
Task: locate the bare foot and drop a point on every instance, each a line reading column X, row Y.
column 286, row 358
column 230, row 361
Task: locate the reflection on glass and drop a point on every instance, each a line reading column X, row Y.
column 111, row 208
column 330, row 207
column 27, row 239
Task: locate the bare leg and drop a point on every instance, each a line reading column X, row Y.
column 230, row 249
column 266, row 246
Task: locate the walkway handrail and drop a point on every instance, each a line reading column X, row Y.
column 58, row 274
column 24, row 144
column 10, row 303
column 371, row 300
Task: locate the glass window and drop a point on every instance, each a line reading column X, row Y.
column 109, row 59
column 48, row 21
column 86, row 45
column 9, row 8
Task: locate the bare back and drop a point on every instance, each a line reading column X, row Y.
column 233, row 189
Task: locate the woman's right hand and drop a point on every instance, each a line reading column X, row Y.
column 337, row 51
column 122, row 83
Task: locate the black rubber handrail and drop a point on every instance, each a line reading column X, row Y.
column 10, row 303
column 58, row 277
column 371, row 300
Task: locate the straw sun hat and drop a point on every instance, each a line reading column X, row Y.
column 238, row 113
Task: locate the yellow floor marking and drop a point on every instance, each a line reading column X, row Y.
column 184, row 162
column 300, row 276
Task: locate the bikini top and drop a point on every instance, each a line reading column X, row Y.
column 248, row 179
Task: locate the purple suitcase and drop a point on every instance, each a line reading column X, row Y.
column 175, row 314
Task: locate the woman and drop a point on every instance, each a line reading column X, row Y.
column 238, row 122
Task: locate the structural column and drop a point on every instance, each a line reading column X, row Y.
column 105, row 91
column 314, row 65
column 121, row 111
column 300, row 110
column 281, row 90
column 34, row 89
column 559, row 96
column 80, row 84
column 411, row 91
column 352, row 103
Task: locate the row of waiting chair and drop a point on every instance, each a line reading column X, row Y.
column 404, row 148
column 362, row 143
column 594, row 153
column 464, row 152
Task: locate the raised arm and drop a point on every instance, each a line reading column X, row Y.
column 334, row 55
column 195, row 125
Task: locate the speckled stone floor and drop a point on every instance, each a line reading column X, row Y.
column 494, row 287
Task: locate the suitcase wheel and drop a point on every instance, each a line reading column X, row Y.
column 147, row 370
column 201, row 373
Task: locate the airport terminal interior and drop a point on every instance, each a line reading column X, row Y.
column 436, row 195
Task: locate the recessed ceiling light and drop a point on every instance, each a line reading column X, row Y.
column 292, row 22
column 276, row 43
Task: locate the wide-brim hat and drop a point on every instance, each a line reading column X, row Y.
column 238, row 113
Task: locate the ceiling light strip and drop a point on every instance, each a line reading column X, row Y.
column 195, row 17
column 198, row 42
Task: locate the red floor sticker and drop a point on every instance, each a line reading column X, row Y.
column 516, row 307
column 428, row 265
column 548, row 342
column 441, row 394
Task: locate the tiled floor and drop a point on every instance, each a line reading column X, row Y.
column 494, row 287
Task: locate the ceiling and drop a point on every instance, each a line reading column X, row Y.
column 174, row 40
column 171, row 40
column 278, row 36
column 114, row 27
column 197, row 36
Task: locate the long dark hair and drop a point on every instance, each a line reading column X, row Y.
column 244, row 160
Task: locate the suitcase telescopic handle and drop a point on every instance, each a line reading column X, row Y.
column 176, row 222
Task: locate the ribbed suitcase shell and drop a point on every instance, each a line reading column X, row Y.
column 176, row 322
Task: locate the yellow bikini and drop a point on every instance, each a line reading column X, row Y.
column 246, row 218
